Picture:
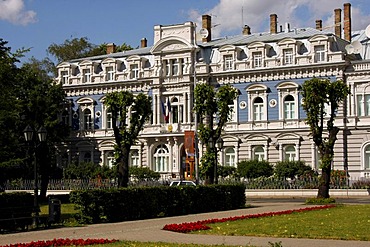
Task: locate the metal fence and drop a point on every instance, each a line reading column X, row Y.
column 257, row 183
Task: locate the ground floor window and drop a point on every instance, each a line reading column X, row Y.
column 259, row 153
column 230, row 159
column 161, row 159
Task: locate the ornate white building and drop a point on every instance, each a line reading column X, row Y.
column 267, row 69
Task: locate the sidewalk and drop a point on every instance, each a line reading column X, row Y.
column 150, row 231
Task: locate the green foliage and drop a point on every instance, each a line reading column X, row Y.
column 143, row 174
column 292, row 169
column 150, row 202
column 84, row 170
column 255, row 169
column 80, row 48
column 210, row 103
column 138, row 109
column 15, row 210
column 317, row 94
column 226, row 171
column 318, row 201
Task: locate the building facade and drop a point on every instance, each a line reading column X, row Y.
column 267, row 69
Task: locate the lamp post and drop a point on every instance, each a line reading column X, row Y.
column 219, row 146
column 28, row 135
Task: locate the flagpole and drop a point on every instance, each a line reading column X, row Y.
column 196, row 154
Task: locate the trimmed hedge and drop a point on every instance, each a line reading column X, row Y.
column 15, row 210
column 114, row 205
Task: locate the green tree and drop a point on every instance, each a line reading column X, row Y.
column 255, row 169
column 213, row 110
column 143, row 174
column 292, row 169
column 137, row 109
column 317, row 94
column 79, row 48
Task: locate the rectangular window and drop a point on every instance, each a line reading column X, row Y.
column 232, row 116
column 167, row 67
column 363, row 105
column 110, row 73
column 175, row 67
column 289, row 112
column 109, row 120
column 65, row 77
column 258, row 111
column 288, row 56
column 257, row 59
column 320, row 53
column 228, row 62
column 86, row 75
column 134, row 71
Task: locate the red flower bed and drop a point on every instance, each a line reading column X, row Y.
column 202, row 225
column 62, row 242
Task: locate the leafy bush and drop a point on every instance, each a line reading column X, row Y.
column 83, row 170
column 320, row 201
column 115, row 205
column 361, row 184
column 226, row 171
column 255, row 169
column 293, row 169
column 143, row 174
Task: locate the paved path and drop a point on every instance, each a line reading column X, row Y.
column 150, row 230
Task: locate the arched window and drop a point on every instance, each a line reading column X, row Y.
column 289, row 153
column 367, row 158
column 161, row 159
column 87, row 157
column 259, row 153
column 230, row 159
column 289, row 107
column 87, row 119
column 258, row 109
column 109, row 159
column 134, row 158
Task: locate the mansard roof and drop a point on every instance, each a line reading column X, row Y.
column 298, row 33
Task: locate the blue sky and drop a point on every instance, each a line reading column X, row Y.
column 36, row 24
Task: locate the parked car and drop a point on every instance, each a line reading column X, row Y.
column 182, row 183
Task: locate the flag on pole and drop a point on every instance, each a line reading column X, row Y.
column 165, row 112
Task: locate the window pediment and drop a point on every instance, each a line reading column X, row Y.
column 171, row 44
column 257, row 45
column 287, row 85
column 85, row 101
column 229, row 48
column 318, row 38
column 257, row 87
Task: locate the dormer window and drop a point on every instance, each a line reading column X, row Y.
column 134, row 71
column 320, row 53
column 109, row 73
column 64, row 77
column 86, row 75
column 228, row 62
column 288, row 56
column 257, row 59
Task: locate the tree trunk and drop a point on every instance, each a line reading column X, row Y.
column 123, row 168
column 324, row 182
column 44, row 169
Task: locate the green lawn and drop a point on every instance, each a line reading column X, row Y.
column 348, row 222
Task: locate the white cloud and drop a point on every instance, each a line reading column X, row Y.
column 299, row 13
column 14, row 12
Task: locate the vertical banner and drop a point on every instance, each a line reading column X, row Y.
column 189, row 142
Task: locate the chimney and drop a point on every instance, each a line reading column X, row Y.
column 246, row 30
column 111, row 48
column 338, row 22
column 273, row 23
column 347, row 21
column 206, row 24
column 143, row 43
column 319, row 25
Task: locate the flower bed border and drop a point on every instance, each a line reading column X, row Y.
column 203, row 224
column 62, row 242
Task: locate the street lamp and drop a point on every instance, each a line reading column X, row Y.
column 28, row 135
column 219, row 146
